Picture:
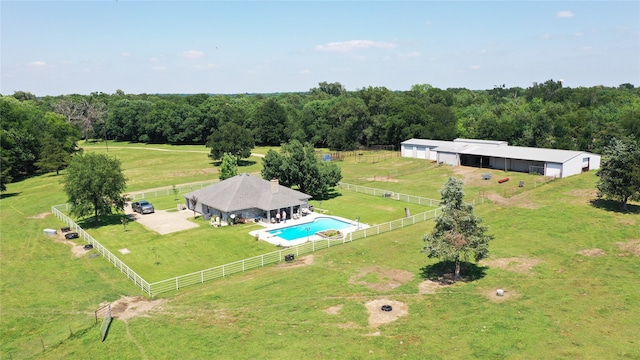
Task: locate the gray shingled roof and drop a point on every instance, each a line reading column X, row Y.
column 244, row 191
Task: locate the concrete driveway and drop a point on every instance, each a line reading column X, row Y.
column 163, row 222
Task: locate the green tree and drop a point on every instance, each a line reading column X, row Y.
column 457, row 234
column 53, row 156
column 231, row 139
column 229, row 167
column 620, row 172
column 270, row 122
column 94, row 184
column 297, row 165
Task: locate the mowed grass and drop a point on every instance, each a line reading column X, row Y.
column 568, row 306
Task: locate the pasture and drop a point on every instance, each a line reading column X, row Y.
column 568, row 269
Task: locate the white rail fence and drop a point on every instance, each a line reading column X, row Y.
column 390, row 194
column 132, row 275
column 412, row 199
column 279, row 255
column 153, row 289
column 168, row 190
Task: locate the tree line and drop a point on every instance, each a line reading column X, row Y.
column 543, row 115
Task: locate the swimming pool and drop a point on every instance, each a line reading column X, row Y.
column 300, row 231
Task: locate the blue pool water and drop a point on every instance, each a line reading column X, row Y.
column 300, row 230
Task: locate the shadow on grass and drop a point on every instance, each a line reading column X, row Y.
column 241, row 163
column 443, row 272
column 8, row 195
column 614, row 206
column 112, row 219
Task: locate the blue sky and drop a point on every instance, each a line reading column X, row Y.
column 64, row 47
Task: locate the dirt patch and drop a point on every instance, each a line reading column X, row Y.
column 128, row 307
column 334, row 310
column 301, row 261
column 77, row 250
column 380, row 279
column 629, row 247
column 585, row 193
column 521, row 200
column 592, row 252
column 430, row 287
column 519, row 265
column 40, row 216
column 626, row 222
column 506, row 295
column 382, row 179
column 379, row 317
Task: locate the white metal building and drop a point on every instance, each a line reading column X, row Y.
column 499, row 155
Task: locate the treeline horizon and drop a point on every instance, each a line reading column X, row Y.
column 545, row 115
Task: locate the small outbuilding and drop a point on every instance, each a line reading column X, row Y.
column 247, row 198
column 500, row 155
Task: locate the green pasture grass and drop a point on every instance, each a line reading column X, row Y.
column 158, row 257
column 567, row 306
column 148, row 166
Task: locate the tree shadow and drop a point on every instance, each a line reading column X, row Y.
column 242, row 162
column 8, row 195
column 614, row 206
column 332, row 194
column 444, row 272
column 112, row 219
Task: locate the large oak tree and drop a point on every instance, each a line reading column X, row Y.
column 94, row 184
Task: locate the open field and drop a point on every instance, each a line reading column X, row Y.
column 569, row 271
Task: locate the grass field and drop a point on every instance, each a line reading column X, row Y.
column 563, row 301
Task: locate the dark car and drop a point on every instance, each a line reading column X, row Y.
column 142, row 207
column 71, row 235
column 88, row 247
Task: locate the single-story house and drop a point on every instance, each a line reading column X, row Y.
column 500, row 155
column 247, row 197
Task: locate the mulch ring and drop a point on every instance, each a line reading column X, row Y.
column 385, row 279
column 301, row 261
column 506, row 295
column 378, row 317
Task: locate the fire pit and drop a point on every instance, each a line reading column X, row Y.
column 386, row 308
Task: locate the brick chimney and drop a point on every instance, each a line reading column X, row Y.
column 275, row 185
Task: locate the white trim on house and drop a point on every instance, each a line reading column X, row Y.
column 500, row 155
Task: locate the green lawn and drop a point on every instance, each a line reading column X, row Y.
column 567, row 306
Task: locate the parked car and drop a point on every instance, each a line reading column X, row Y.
column 142, row 207
column 71, row 235
column 88, row 247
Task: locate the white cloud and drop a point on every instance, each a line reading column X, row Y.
column 565, row 14
column 305, row 72
column 159, row 68
column 546, row 36
column 204, row 67
column 475, row 67
column 193, row 54
column 578, row 34
column 126, row 54
column 38, row 64
column 154, row 59
column 412, row 54
column 345, row 46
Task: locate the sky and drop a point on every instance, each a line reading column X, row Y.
column 229, row 47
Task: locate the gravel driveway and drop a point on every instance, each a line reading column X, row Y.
column 163, row 222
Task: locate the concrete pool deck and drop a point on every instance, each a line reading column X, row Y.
column 263, row 234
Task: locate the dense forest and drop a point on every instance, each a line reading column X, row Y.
column 39, row 133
